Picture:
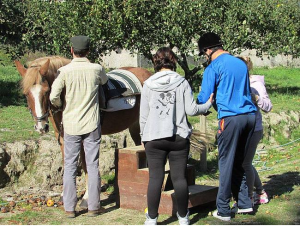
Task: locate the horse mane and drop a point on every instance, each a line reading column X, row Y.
column 33, row 75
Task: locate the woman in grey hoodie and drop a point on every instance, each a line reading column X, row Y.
column 166, row 101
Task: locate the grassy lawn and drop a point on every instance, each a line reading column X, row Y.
column 283, row 87
column 281, row 180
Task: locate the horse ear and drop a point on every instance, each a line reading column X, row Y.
column 22, row 70
column 45, row 67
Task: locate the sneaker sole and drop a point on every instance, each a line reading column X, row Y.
column 237, row 210
column 248, row 210
column 221, row 218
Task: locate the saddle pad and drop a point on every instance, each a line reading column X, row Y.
column 121, row 103
column 120, row 79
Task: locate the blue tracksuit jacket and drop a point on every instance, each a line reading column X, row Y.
column 227, row 77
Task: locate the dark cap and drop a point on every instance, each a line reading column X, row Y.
column 80, row 42
column 207, row 41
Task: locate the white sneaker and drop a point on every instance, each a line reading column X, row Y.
column 149, row 220
column 236, row 209
column 184, row 220
column 216, row 215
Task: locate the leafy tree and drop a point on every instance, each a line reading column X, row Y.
column 142, row 26
column 269, row 26
column 11, row 16
column 147, row 25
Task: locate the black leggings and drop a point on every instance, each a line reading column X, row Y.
column 176, row 149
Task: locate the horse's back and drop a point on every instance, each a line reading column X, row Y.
column 141, row 73
column 114, row 122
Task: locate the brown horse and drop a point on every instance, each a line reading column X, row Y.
column 36, row 83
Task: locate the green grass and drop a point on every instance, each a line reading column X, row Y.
column 283, row 87
column 16, row 124
column 10, row 92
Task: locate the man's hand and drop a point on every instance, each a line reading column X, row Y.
column 55, row 108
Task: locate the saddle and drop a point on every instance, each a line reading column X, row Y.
column 119, row 93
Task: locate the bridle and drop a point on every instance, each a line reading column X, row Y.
column 49, row 112
column 43, row 117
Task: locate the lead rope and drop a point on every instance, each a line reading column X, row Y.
column 60, row 126
column 59, row 133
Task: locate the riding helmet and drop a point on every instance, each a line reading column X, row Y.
column 207, row 41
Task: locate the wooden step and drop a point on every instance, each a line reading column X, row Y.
column 132, row 177
column 134, row 196
column 198, row 195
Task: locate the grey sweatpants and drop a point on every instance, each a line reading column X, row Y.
column 252, row 178
column 72, row 145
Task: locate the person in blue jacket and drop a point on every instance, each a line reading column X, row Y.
column 227, row 77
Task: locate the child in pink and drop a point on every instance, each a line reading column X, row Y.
column 261, row 99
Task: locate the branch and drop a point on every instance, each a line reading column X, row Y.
column 196, row 69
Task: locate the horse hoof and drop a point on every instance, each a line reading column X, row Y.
column 83, row 204
column 60, row 202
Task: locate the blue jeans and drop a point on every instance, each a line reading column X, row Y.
column 233, row 136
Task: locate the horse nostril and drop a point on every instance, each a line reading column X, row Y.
column 46, row 128
column 35, row 127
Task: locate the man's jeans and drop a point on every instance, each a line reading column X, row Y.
column 72, row 146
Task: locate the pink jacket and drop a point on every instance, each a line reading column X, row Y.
column 257, row 84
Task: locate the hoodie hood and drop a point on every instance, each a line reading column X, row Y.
column 164, row 81
column 257, row 78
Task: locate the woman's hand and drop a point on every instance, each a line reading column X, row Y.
column 211, row 98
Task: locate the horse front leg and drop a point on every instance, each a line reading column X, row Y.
column 134, row 130
column 84, row 201
column 61, row 144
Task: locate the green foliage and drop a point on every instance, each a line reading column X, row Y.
column 108, row 179
column 267, row 26
column 5, row 59
column 12, row 15
column 30, row 56
column 143, row 26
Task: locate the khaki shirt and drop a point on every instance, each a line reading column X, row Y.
column 81, row 80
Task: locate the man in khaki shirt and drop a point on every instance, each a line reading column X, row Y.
column 81, row 120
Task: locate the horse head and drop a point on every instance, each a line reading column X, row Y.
column 36, row 88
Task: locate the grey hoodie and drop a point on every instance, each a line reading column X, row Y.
column 166, row 100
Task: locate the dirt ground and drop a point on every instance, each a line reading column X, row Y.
column 29, row 210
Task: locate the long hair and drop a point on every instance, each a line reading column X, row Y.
column 247, row 61
column 164, row 58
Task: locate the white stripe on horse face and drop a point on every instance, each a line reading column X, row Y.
column 36, row 90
